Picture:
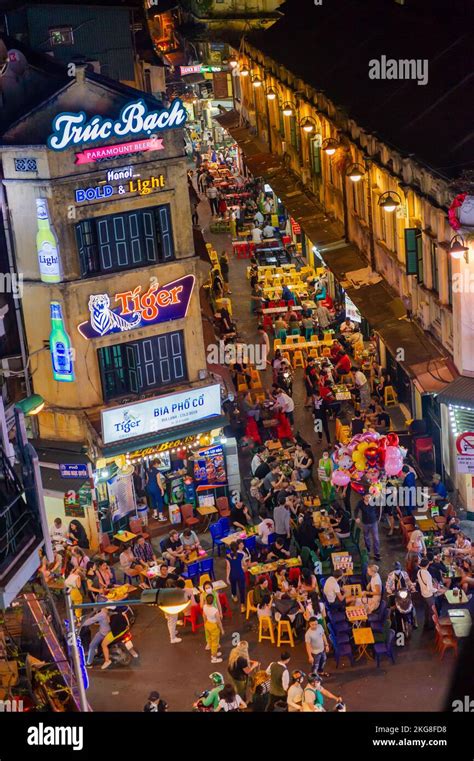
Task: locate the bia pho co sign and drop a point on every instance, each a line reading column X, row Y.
column 152, row 415
column 72, row 129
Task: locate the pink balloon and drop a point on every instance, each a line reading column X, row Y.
column 391, row 452
column 369, row 436
column 393, row 465
column 340, row 478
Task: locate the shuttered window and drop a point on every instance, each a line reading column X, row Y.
column 414, row 252
column 125, row 241
column 145, row 365
column 316, row 155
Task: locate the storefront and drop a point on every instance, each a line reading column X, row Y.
column 182, row 433
column 457, row 418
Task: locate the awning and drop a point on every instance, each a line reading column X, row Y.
column 378, row 303
column 459, row 392
column 172, row 434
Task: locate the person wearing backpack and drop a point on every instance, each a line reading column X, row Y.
column 279, row 680
column 314, row 694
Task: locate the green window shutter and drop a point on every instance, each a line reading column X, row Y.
column 316, row 156
column 293, row 138
column 411, row 250
column 419, row 253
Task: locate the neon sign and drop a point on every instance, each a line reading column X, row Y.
column 138, row 186
column 70, row 129
column 183, row 70
column 121, row 149
column 137, row 309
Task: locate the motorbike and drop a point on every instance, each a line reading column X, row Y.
column 404, row 611
column 120, row 650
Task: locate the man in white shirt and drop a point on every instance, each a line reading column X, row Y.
column 332, row 591
column 286, row 404
column 347, row 326
column 258, row 218
column 428, row 591
column 323, row 316
column 256, row 235
column 268, row 231
column 257, row 459
column 58, row 534
column 264, row 529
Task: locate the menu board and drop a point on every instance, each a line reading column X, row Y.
column 209, row 466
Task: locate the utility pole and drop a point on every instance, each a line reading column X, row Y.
column 73, row 644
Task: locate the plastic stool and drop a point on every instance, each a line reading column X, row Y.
column 389, row 397
column 265, row 624
column 298, row 360
column 284, row 628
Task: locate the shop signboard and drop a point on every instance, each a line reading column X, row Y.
column 351, row 310
column 73, row 129
column 134, row 186
column 196, row 69
column 465, row 452
column 91, row 155
column 209, row 466
column 73, row 470
column 161, row 413
column 136, row 309
column 72, row 505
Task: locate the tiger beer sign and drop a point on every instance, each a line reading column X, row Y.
column 137, row 308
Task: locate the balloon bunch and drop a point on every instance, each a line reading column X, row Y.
column 366, row 459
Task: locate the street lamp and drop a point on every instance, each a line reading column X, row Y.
column 244, row 72
column 458, row 249
column 31, row 405
column 308, row 124
column 256, row 82
column 287, row 109
column 171, row 601
column 330, row 146
column 389, row 201
column 355, row 172
column 233, row 62
column 271, row 93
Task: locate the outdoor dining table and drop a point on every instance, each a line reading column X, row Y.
column 208, row 512
column 356, row 615
column 120, row 593
column 124, row 536
column 461, row 621
column 352, row 590
column 341, row 392
column 321, row 521
column 456, row 599
column 261, row 568
column 328, row 538
column 236, row 535
column 363, row 637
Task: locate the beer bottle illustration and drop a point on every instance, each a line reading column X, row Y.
column 60, row 345
column 46, row 245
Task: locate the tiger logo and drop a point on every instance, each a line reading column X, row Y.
column 103, row 319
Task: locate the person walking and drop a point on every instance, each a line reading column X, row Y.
column 320, row 414
column 279, row 680
column 240, row 667
column 211, row 194
column 212, row 627
column 236, row 574
column 368, row 514
column 224, row 265
column 316, row 646
column 325, row 469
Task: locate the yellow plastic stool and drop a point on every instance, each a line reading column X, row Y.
column 389, row 396
column 284, row 627
column 250, row 607
column 265, row 624
column 298, row 359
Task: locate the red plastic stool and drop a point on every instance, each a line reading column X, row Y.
column 193, row 616
column 226, row 611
